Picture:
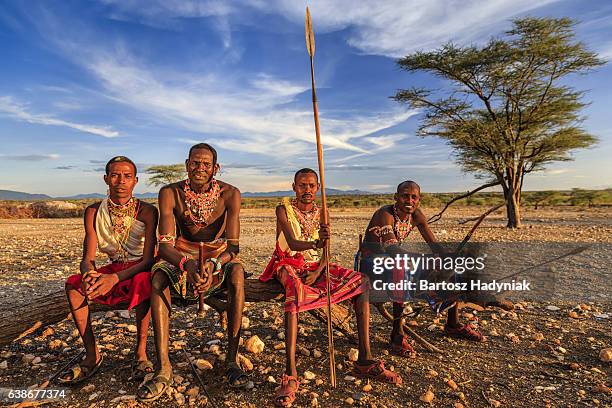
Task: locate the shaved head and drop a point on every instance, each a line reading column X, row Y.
column 408, row 183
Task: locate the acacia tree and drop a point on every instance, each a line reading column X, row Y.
column 508, row 111
column 166, row 174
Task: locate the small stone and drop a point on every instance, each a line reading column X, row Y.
column 48, row 332
column 427, row 397
column 193, row 391
column 358, row 396
column 305, row 352
column 353, row 354
column 279, row 346
column 432, row 373
column 349, row 378
column 494, row 403
column 109, row 314
column 458, row 405
column 27, row 358
column 271, row 379
column 309, row 375
column 367, row 388
column 265, row 314
column 215, row 349
column 349, row 401
column 254, row 345
column 245, row 363
column 552, row 309
column 453, row 385
column 605, row 355
column 246, row 323
column 538, row 336
column 319, row 381
column 88, row 388
column 573, row 315
column 493, row 333
column 36, row 360
column 124, row 314
column 180, row 398
column 561, row 350
column 182, row 333
column 4, row 365
column 93, row 396
column 203, row 364
column 316, row 353
column 55, row 344
column 131, row 328
column 250, row 385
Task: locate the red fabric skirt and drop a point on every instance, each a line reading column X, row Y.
column 344, row 283
column 132, row 291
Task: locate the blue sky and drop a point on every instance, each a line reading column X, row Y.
column 81, row 82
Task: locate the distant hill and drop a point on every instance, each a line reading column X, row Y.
column 329, row 191
column 19, row 196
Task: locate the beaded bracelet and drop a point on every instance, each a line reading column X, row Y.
column 217, row 264
column 184, row 260
column 166, row 239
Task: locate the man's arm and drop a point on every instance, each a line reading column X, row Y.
column 420, row 221
column 232, row 226
column 90, row 242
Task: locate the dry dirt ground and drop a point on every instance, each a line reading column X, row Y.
column 546, row 353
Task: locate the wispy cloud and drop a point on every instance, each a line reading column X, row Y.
column 18, row 111
column 392, row 27
column 30, row 157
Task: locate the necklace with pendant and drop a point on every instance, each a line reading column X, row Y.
column 122, row 218
column 200, row 206
column 308, row 220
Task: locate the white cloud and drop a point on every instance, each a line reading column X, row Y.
column 18, row 111
column 392, row 28
column 248, row 116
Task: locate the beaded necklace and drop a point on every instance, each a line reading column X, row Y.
column 401, row 229
column 122, row 218
column 308, row 220
column 200, row 206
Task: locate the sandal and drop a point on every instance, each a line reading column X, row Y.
column 235, row 377
column 403, row 349
column 466, row 331
column 79, row 373
column 150, row 390
column 140, row 369
column 285, row 394
column 376, row 371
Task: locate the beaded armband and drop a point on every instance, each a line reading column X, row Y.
column 166, row 239
column 380, row 231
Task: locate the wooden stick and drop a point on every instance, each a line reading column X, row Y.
column 201, row 268
column 310, row 46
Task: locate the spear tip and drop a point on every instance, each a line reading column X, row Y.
column 310, row 43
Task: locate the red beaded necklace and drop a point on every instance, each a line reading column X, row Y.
column 401, row 229
column 200, row 206
column 309, row 220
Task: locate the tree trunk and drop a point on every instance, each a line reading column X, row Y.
column 16, row 323
column 512, row 194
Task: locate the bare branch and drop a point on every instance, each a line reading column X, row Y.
column 438, row 216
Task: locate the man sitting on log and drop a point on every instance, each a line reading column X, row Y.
column 123, row 228
column 388, row 229
column 297, row 265
column 206, row 212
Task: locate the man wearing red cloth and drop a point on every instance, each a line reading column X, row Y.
column 297, row 265
column 124, row 228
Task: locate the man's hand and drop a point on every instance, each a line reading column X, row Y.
column 194, row 278
column 312, row 276
column 102, row 284
column 324, row 235
column 87, row 280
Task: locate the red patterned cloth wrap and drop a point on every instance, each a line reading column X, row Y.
column 344, row 283
column 132, row 291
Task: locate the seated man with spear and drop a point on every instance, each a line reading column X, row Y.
column 199, row 229
column 123, row 228
column 389, row 227
column 298, row 266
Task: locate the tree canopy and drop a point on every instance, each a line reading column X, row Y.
column 509, row 110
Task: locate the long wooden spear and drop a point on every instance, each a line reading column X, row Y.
column 310, row 46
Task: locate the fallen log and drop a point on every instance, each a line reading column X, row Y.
column 17, row 322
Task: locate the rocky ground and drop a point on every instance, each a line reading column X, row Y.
column 546, row 353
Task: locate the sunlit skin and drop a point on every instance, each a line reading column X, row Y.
column 200, row 169
column 407, row 199
column 121, row 180
column 305, row 187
